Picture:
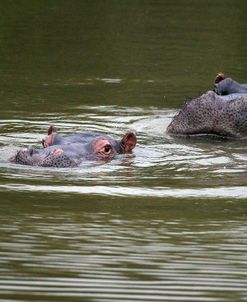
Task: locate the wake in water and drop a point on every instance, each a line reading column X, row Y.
column 159, row 166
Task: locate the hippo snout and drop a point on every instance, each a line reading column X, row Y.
column 23, row 156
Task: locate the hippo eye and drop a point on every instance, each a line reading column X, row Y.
column 107, row 149
column 103, row 148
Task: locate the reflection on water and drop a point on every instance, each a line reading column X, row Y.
column 120, row 256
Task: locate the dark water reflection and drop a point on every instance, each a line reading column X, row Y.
column 166, row 223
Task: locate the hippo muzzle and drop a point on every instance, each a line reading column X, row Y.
column 32, row 157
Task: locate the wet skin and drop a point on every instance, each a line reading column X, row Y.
column 73, row 150
column 221, row 113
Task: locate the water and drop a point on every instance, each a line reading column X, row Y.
column 165, row 223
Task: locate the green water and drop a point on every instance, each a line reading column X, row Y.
column 166, row 223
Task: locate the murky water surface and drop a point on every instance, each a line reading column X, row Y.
column 165, row 223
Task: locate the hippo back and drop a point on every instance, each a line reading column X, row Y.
column 211, row 114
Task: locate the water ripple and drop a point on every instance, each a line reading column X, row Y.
column 221, row 192
column 49, row 251
column 118, row 262
column 160, row 166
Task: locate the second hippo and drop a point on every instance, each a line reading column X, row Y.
column 222, row 112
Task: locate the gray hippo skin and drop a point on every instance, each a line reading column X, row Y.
column 73, row 150
column 214, row 115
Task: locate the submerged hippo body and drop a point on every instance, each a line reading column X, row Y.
column 73, row 150
column 222, row 112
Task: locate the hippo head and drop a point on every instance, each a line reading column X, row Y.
column 73, row 150
column 126, row 144
column 224, row 85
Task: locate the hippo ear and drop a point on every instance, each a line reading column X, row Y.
column 217, row 82
column 220, row 77
column 51, row 129
column 128, row 141
column 48, row 140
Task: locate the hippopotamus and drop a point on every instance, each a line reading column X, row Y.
column 221, row 112
column 73, row 150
